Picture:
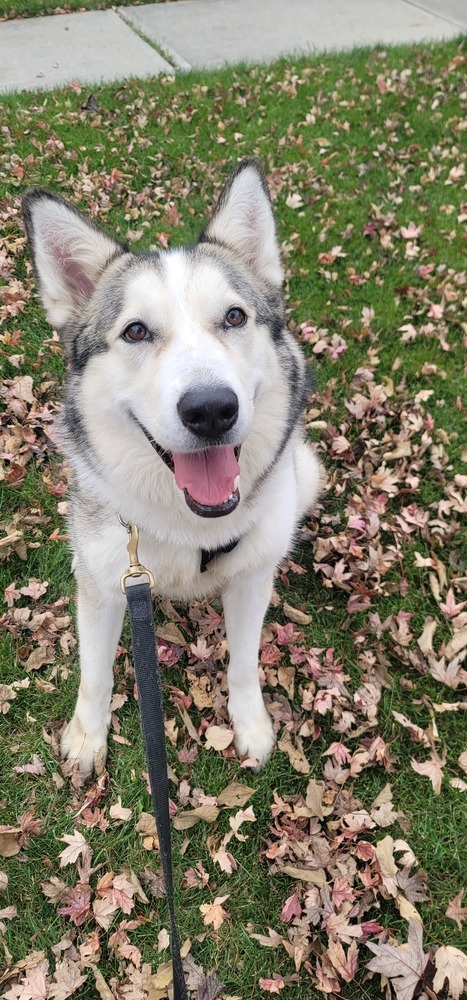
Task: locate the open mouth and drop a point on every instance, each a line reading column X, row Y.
column 208, row 478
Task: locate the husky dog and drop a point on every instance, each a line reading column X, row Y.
column 182, row 414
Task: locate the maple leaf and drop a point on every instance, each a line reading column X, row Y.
column 75, row 902
column 451, row 964
column 33, row 985
column 123, row 892
column 213, row 913
column 77, row 847
column 272, row 985
column 104, row 910
column 36, row 767
column 403, row 964
column 432, row 769
column 411, row 232
column 68, row 979
column 414, row 887
column 450, row 608
column 345, row 964
column 291, row 908
column 35, row 588
column 455, row 910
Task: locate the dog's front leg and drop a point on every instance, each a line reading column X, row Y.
column 245, row 601
column 99, row 621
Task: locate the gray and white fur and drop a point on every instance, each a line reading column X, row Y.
column 178, row 363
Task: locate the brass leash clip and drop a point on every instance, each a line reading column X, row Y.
column 135, row 568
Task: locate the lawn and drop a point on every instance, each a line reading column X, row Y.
column 351, row 842
column 10, row 9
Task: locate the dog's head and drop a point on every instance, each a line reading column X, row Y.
column 177, row 345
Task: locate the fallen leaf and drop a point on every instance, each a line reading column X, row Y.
column 185, row 820
column 295, row 754
column 77, row 848
column 117, row 811
column 451, row 964
column 213, row 913
column 455, row 910
column 404, row 964
column 235, row 794
column 432, row 769
column 295, row 615
column 218, row 737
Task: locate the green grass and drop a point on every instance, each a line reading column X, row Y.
column 149, row 160
column 10, row 9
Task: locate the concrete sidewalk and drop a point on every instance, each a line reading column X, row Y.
column 105, row 46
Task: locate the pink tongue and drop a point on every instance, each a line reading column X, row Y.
column 207, row 475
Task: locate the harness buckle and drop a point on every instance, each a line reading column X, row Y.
column 135, row 568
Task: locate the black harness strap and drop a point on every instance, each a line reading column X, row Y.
column 148, row 680
column 207, row 555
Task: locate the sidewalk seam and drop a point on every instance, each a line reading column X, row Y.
column 165, row 51
column 439, row 16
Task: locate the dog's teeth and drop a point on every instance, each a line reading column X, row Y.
column 236, row 482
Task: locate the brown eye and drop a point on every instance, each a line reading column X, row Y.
column 235, row 317
column 135, row 332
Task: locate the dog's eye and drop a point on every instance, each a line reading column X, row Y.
column 235, row 317
column 135, row 332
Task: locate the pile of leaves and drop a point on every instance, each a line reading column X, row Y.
column 339, row 868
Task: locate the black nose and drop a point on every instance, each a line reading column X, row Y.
column 209, row 412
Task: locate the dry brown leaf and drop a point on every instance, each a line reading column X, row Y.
column 218, row 737
column 432, row 769
column 185, row 820
column 171, row 633
column 295, row 754
column 214, row 913
column 163, row 977
column 382, row 809
column 451, row 964
column 295, row 615
column 457, row 643
column 235, row 795
column 384, row 851
column 456, row 911
column 315, row 876
column 425, row 641
column 9, row 841
column 403, row 965
column 68, row 979
column 117, row 811
column 146, row 824
column 103, row 990
column 77, row 847
column 286, row 678
column 314, row 798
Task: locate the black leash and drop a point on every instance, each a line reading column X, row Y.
column 149, row 685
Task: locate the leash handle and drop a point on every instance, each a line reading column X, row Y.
column 149, row 685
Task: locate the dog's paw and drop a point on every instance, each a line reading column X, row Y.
column 255, row 737
column 87, row 750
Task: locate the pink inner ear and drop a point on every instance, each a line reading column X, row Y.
column 76, row 279
column 79, row 282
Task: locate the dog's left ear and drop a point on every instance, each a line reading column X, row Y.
column 243, row 220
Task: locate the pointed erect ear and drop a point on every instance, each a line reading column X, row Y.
column 243, row 221
column 69, row 253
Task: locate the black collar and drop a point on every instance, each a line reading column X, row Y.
column 207, row 555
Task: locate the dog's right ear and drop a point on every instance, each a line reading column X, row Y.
column 69, row 253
